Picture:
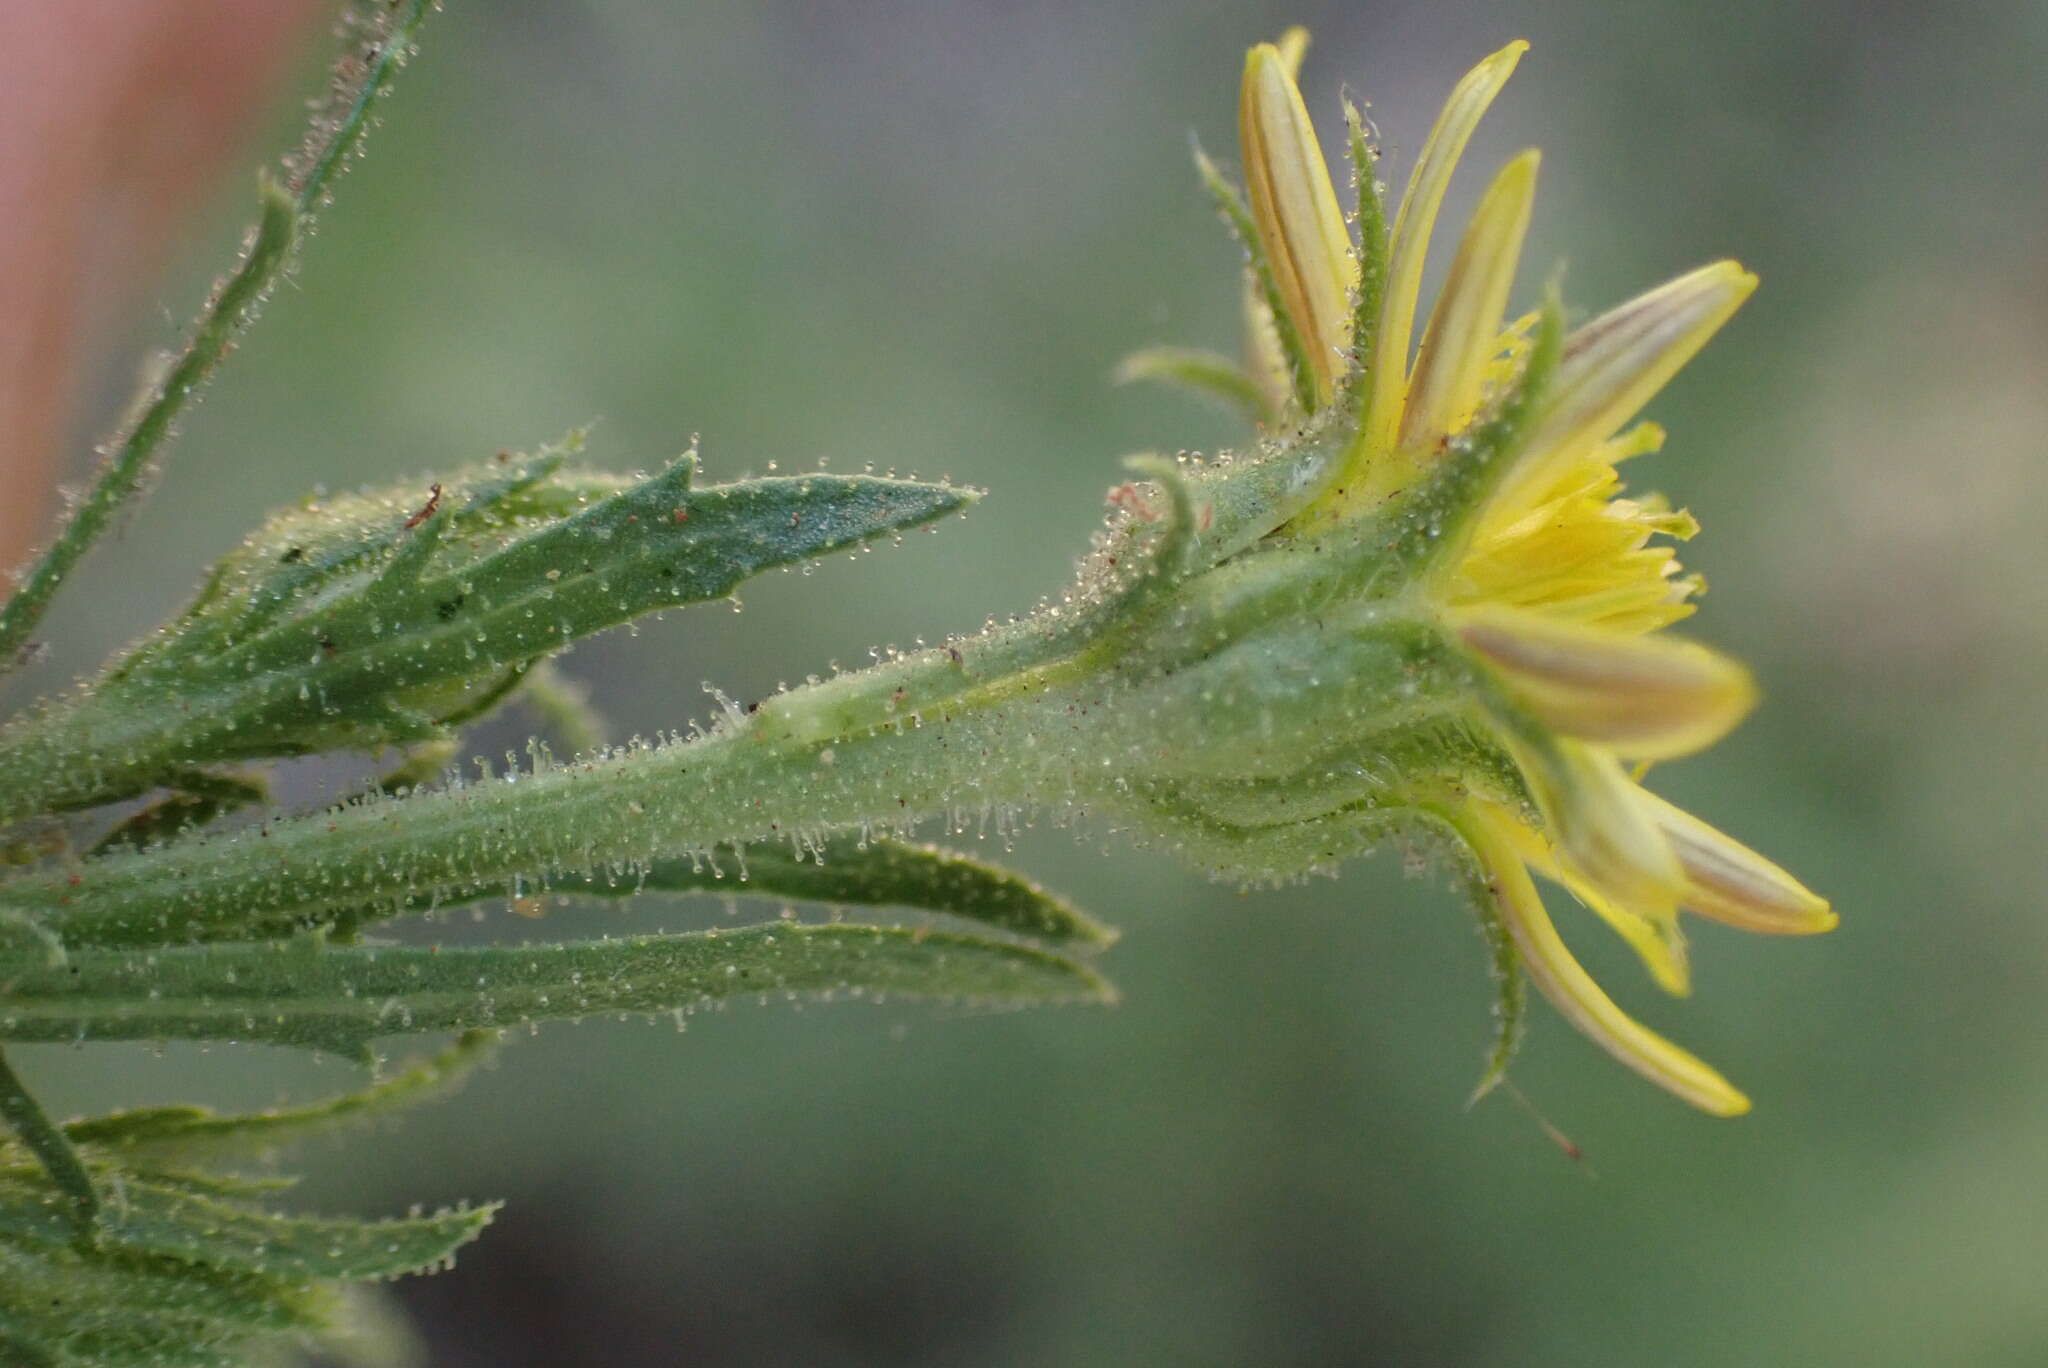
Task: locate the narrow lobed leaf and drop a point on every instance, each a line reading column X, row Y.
column 1238, row 217
column 339, row 999
column 156, row 1132
column 1212, row 376
column 96, row 1284
column 882, row 873
column 380, row 619
column 161, row 1221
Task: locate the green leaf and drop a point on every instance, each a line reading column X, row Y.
column 339, row 999
column 376, row 619
column 198, row 798
column 153, row 1133
column 93, row 1284
column 1510, row 995
column 845, row 872
column 162, row 1221
column 25, row 1117
column 444, row 596
column 879, row 872
column 236, row 1186
column 1231, row 206
column 179, row 1277
column 1372, row 255
column 1212, row 376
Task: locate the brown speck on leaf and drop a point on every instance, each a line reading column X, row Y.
column 432, row 505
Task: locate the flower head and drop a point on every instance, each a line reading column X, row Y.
column 1479, row 468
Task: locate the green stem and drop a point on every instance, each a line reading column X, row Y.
column 155, row 412
column 47, row 1142
column 90, row 747
column 344, row 122
column 883, row 749
column 1280, row 668
column 740, row 784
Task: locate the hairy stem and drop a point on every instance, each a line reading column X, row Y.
column 880, row 750
column 621, row 810
column 48, row 1143
column 155, row 412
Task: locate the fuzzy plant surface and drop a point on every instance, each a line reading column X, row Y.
column 1415, row 608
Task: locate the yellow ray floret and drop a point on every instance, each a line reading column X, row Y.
column 1615, row 364
column 1731, row 883
column 1653, row 933
column 1645, row 697
column 1464, row 331
column 1410, row 245
column 1294, row 207
column 1589, row 812
column 1570, row 988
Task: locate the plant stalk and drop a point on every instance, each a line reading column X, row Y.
column 155, row 412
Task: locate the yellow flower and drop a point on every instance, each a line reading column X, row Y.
column 1560, row 587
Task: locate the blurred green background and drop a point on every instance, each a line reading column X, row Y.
column 920, row 235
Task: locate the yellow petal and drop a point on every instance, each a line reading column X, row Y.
column 1293, row 46
column 1294, row 207
column 1639, row 440
column 1410, row 242
column 1615, row 364
column 1648, row 697
column 1464, row 332
column 1729, row 882
column 1652, row 933
column 1655, row 937
column 1571, row 989
column 1590, row 810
